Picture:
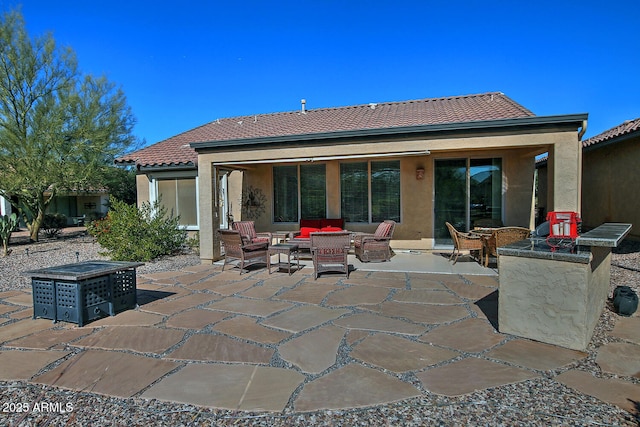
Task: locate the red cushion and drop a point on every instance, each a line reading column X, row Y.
column 315, row 223
column 304, row 232
column 333, row 222
column 331, row 229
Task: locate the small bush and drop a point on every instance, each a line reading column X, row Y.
column 194, row 242
column 131, row 234
column 53, row 224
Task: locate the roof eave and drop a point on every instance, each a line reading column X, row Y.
column 576, row 120
column 165, row 167
column 609, row 141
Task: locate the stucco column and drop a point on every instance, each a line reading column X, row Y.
column 566, row 168
column 208, row 211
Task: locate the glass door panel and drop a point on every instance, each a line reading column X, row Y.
column 450, row 198
column 485, row 192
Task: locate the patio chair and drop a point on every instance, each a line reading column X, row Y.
column 329, row 252
column 464, row 242
column 247, row 230
column 375, row 247
column 244, row 255
column 502, row 237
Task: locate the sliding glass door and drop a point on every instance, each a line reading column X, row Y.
column 466, row 191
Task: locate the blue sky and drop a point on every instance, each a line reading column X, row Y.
column 184, row 64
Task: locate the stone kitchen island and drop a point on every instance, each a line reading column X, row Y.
column 556, row 295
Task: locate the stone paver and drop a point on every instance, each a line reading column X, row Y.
column 163, row 275
column 394, row 282
column 470, row 374
column 136, row 338
column 22, row 314
column 301, row 318
column 247, row 328
column 22, row 365
column 490, row 281
column 422, row 313
column 221, row 349
column 422, row 282
column 470, row 335
column 196, row 318
column 265, row 290
column 191, row 278
column 128, row 318
column 223, row 287
column 620, row 358
column 23, row 328
column 617, row 392
column 309, row 293
column 6, row 308
column 107, row 372
column 372, row 322
column 352, row 386
column 382, row 350
column 427, row 296
column 254, row 307
column 23, row 298
column 180, row 304
column 249, row 388
column 418, row 278
column 7, row 294
column 314, row 351
column 627, row 328
column 535, row 355
column 471, row 291
column 357, row 295
column 47, row 339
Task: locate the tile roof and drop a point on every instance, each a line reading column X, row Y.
column 176, row 151
column 625, row 128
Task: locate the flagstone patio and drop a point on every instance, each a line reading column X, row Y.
column 389, row 332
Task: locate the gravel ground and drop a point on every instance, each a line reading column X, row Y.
column 541, row 401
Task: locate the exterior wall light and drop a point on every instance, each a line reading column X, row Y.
column 420, row 174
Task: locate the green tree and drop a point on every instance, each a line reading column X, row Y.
column 59, row 130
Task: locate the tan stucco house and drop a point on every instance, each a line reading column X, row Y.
column 421, row 163
column 611, row 177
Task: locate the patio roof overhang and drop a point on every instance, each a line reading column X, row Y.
column 573, row 121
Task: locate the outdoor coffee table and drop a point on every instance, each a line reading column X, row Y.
column 83, row 291
column 283, row 248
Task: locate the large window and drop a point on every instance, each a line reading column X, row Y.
column 309, row 197
column 370, row 192
column 179, row 197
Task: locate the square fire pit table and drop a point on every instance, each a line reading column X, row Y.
column 83, row 291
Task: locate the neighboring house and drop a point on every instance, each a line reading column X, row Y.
column 611, row 177
column 420, row 163
column 81, row 206
column 77, row 207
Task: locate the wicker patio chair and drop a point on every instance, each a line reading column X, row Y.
column 243, row 255
column 502, row 237
column 247, row 230
column 464, row 242
column 375, row 247
column 329, row 252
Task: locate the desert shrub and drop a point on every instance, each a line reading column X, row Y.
column 8, row 223
column 52, row 224
column 129, row 233
column 194, row 242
